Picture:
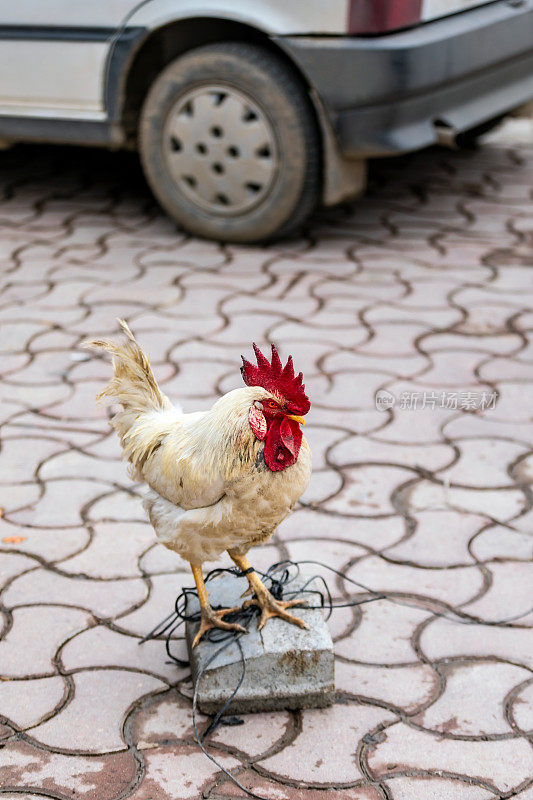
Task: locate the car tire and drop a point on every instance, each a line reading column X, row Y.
column 229, row 144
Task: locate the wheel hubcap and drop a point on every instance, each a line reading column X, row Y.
column 220, row 149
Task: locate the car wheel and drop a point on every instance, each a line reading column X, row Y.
column 229, row 144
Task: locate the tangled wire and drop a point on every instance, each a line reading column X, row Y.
column 280, row 579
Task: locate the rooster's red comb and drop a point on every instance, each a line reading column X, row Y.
column 278, row 379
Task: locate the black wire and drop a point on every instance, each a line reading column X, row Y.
column 233, row 637
column 177, row 618
column 462, row 618
column 278, row 579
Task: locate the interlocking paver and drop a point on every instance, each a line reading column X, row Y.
column 504, row 764
column 59, row 506
column 12, row 564
column 158, row 603
column 509, row 593
column 500, row 543
column 446, row 638
column 27, row 702
column 384, row 634
column 274, row 790
column 103, row 598
column 367, row 490
column 484, row 463
column 455, row 586
column 45, row 543
column 90, row 722
column 441, row 539
column 103, row 647
column 422, row 289
column 433, row 457
column 30, row 644
column 75, row 464
column 434, row 788
column 19, row 498
column 407, row 688
column 521, row 708
column 370, row 532
column 462, row 709
column 501, row 505
column 114, row 551
column 27, row 767
column 333, row 735
column 178, row 771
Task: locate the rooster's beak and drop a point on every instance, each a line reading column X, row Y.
column 300, row 420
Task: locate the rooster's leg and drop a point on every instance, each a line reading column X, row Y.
column 270, row 607
column 209, row 618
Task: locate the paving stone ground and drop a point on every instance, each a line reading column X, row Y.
column 423, row 289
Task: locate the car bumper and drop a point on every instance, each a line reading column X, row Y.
column 385, row 94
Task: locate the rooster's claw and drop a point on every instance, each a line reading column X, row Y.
column 270, row 607
column 213, row 619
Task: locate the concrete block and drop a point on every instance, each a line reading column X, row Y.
column 286, row 666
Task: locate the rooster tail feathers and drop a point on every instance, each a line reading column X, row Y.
column 143, row 422
column 133, row 383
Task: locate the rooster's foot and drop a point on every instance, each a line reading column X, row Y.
column 270, row 607
column 213, row 619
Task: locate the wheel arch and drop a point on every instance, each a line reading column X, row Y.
column 158, row 47
column 152, row 51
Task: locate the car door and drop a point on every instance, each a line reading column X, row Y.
column 53, row 56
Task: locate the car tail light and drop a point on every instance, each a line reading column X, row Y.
column 381, row 16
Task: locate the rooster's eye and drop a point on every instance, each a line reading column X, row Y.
column 272, row 404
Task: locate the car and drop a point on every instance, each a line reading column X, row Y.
column 247, row 114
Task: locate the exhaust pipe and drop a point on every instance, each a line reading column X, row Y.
column 445, row 134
